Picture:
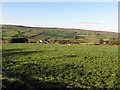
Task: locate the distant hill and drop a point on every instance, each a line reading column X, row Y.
column 34, row 34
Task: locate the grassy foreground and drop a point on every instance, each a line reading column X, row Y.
column 34, row 66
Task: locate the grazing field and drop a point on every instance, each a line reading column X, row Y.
column 56, row 35
column 34, row 66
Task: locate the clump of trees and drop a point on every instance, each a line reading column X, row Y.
column 18, row 40
column 114, row 42
column 64, row 41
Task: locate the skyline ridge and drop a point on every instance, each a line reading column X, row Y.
column 58, row 28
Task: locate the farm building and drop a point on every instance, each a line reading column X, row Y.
column 44, row 41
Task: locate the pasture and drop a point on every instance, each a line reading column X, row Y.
column 34, row 66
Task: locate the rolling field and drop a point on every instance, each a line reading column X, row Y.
column 34, row 66
column 34, row 34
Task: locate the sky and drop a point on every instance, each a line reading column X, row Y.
column 102, row 16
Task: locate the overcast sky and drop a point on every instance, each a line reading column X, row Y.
column 82, row 15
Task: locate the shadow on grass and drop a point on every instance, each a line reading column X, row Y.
column 13, row 52
column 64, row 56
column 26, row 82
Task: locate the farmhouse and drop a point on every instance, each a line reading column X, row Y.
column 44, row 41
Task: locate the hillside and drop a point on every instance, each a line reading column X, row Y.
column 34, row 34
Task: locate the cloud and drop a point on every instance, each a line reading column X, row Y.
column 95, row 23
column 112, row 29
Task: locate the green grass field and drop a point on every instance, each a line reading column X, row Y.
column 34, row 66
column 34, row 34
